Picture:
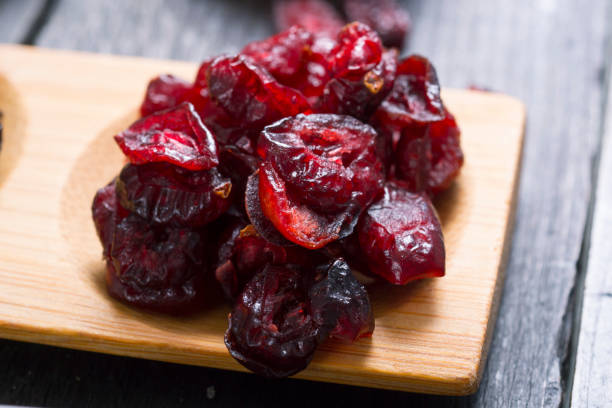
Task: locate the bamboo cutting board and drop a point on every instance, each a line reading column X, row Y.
column 61, row 110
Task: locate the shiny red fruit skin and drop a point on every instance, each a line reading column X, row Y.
column 175, row 136
column 413, row 157
column 415, row 97
column 285, row 312
column 243, row 253
column 318, row 174
column 249, row 94
column 164, row 92
column 156, row 268
column 401, row 236
column 282, row 55
column 446, row 153
column 337, row 292
column 386, row 17
column 162, row 193
column 316, row 16
column 362, row 75
column 271, row 330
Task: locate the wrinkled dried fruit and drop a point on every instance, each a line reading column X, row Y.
column 238, row 165
column 362, row 74
column 282, row 54
column 318, row 174
column 271, row 330
column 415, row 97
column 413, row 157
column 284, row 313
column 175, row 136
column 164, row 92
column 243, row 253
column 156, row 268
column 295, row 58
column 166, row 194
column 446, row 153
column 260, row 222
column 315, row 16
column 401, row 236
column 386, row 17
column 249, row 94
column 337, row 293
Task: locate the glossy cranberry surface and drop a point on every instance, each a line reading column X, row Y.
column 401, row 236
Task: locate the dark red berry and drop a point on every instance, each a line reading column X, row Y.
column 413, row 157
column 282, row 54
column 249, row 94
column 446, row 153
column 386, row 17
column 401, row 236
column 315, row 16
column 166, row 194
column 362, row 74
column 415, row 97
column 175, row 136
column 318, row 174
column 339, row 293
column 243, row 253
column 260, row 222
column 156, row 268
column 164, row 92
column 284, row 313
column 271, row 330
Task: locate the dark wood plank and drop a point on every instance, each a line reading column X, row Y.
column 550, row 54
column 593, row 374
column 17, row 18
column 188, row 29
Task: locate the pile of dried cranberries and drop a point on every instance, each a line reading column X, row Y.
column 271, row 178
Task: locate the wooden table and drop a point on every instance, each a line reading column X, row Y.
column 551, row 345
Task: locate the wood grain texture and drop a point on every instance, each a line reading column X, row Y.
column 17, row 18
column 430, row 336
column 548, row 53
column 593, row 374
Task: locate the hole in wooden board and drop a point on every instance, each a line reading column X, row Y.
column 13, row 122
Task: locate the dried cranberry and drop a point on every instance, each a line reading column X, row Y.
column 389, row 20
column 401, row 236
column 413, row 157
column 243, row 253
column 337, row 293
column 319, row 172
column 271, row 330
column 175, row 136
column 362, row 74
column 164, row 92
column 156, row 268
column 315, row 16
column 249, row 94
column 284, row 313
column 260, row 222
column 446, row 153
column 282, row 54
column 415, row 97
column 166, row 194
column 104, row 210
column 238, row 165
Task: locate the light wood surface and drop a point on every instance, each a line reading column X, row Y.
column 430, row 337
